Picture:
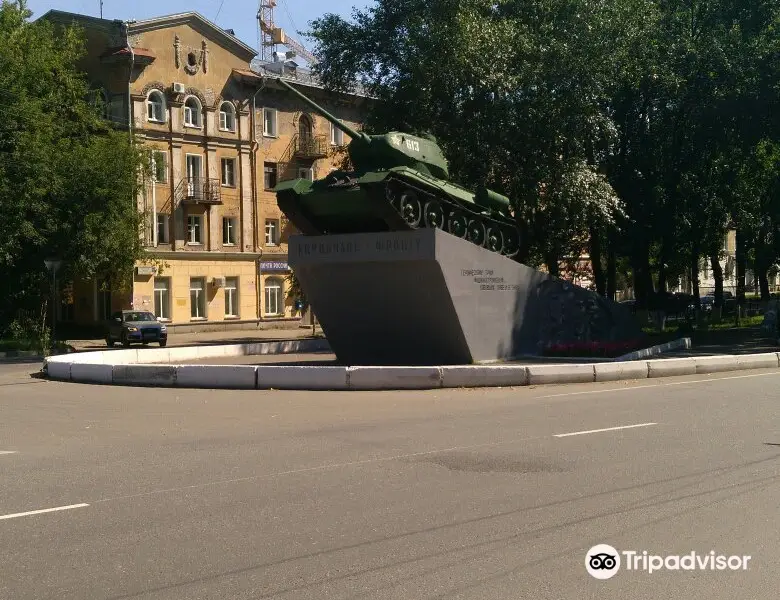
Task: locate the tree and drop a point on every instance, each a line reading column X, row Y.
column 509, row 88
column 68, row 180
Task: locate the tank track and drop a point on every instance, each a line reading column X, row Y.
column 416, row 207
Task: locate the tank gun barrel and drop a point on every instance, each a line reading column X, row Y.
column 325, row 114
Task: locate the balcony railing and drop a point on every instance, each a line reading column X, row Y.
column 311, row 147
column 198, row 190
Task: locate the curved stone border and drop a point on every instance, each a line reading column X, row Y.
column 131, row 367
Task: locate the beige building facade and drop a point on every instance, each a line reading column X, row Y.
column 222, row 133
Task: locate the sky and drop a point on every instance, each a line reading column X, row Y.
column 239, row 15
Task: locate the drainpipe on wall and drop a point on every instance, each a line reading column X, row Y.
column 255, row 196
column 126, row 25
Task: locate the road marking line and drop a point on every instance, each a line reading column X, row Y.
column 560, row 435
column 7, row 451
column 40, row 512
column 640, row 387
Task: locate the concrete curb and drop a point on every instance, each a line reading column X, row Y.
column 108, row 368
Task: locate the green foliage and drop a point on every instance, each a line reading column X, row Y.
column 648, row 123
column 68, row 180
column 29, row 331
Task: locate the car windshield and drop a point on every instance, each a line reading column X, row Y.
column 140, row 316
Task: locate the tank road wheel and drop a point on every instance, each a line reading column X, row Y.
column 476, row 232
column 495, row 240
column 457, row 224
column 434, row 214
column 511, row 242
column 411, row 210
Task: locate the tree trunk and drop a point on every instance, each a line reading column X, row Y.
column 741, row 268
column 662, row 270
column 763, row 281
column 524, row 247
column 695, row 280
column 611, row 269
column 595, row 252
column 643, row 279
column 717, row 274
column 551, row 259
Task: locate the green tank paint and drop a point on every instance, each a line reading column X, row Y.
column 400, row 181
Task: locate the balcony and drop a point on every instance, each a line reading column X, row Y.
column 198, row 190
column 310, row 147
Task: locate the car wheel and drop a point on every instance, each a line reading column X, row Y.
column 125, row 341
column 163, row 343
column 110, row 342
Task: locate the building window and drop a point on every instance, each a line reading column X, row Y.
column 229, row 172
column 227, row 117
column 231, row 296
column 273, row 297
column 162, row 298
column 306, row 173
column 163, row 228
column 192, row 112
column 229, row 231
column 270, row 176
column 269, row 122
column 195, row 229
column 198, row 298
column 160, row 165
column 155, row 107
column 271, row 232
column 336, row 136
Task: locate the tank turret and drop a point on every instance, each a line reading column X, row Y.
column 399, row 181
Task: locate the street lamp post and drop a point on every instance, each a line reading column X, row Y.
column 53, row 265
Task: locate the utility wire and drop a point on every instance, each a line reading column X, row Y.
column 221, row 4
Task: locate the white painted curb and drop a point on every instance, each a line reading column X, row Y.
column 239, row 377
column 671, row 367
column 305, row 377
column 484, row 376
column 394, row 378
column 621, row 371
column 542, row 374
column 122, row 367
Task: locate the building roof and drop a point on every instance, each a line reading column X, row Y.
column 193, row 18
column 293, row 73
column 141, row 54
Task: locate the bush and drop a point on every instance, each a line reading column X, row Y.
column 29, row 331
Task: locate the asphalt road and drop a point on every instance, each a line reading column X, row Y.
column 194, row 494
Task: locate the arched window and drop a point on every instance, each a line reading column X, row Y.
column 227, row 116
column 192, row 112
column 305, row 127
column 155, row 107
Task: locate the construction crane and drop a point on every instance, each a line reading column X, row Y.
column 272, row 36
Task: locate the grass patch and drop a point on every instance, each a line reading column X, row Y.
column 731, row 322
column 11, row 345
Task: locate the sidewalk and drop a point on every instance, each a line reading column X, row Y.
column 745, row 340
column 212, row 337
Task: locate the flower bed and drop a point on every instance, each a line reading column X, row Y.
column 604, row 349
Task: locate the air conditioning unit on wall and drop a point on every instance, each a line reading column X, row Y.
column 218, row 282
column 179, row 88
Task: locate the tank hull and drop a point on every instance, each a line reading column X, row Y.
column 397, row 199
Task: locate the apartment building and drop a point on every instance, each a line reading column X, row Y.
column 223, row 132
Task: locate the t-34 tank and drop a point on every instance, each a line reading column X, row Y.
column 400, row 181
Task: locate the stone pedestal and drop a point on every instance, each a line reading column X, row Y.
column 425, row 297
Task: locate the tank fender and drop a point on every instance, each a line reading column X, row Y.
column 297, row 186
